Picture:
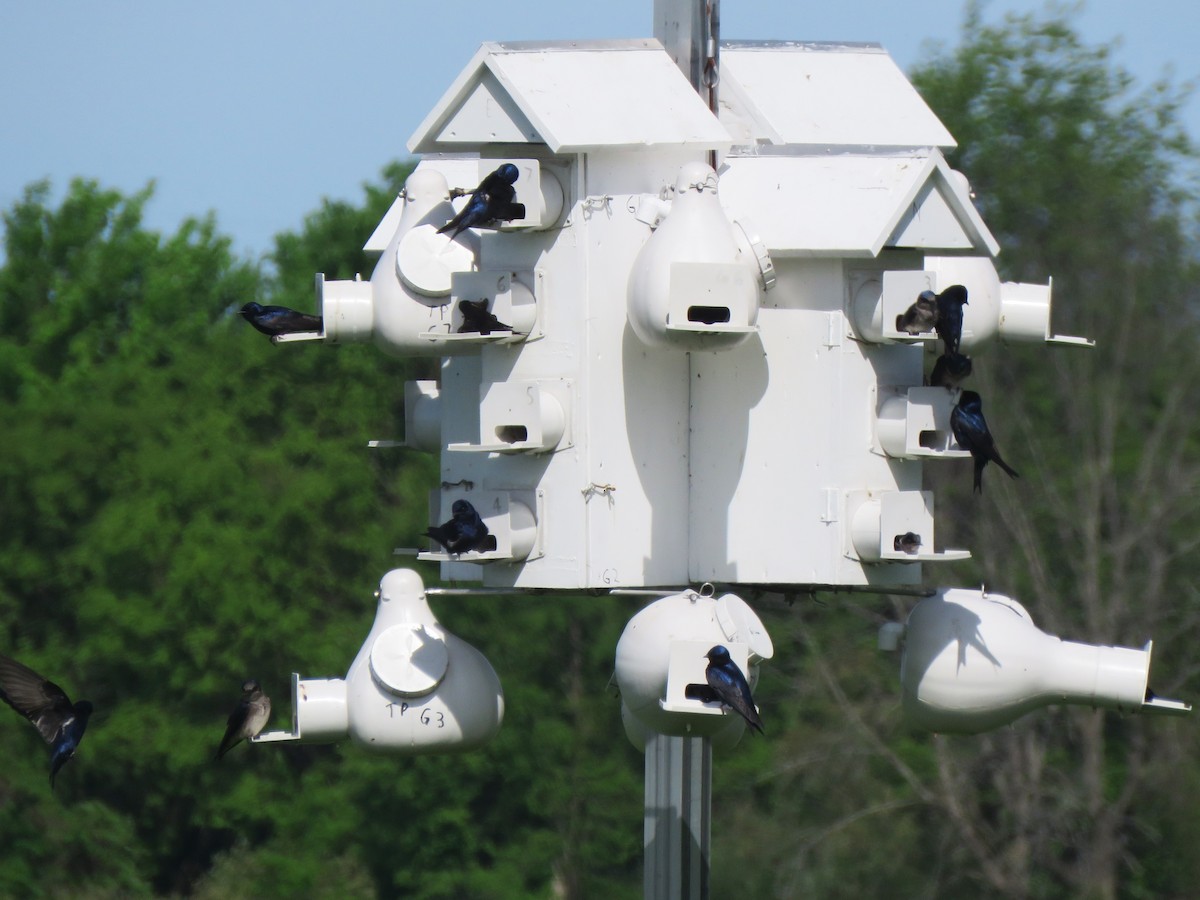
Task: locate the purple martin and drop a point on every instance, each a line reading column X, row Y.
column 950, row 371
column 729, row 685
column 971, row 431
column 950, row 303
column 464, row 532
column 60, row 722
column 276, row 320
column 490, row 202
column 909, row 542
column 247, row 718
column 477, row 320
column 921, row 316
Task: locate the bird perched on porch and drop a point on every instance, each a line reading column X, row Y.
column 464, row 532
column 921, row 316
column 476, row 319
column 972, row 433
column 276, row 320
column 247, row 718
column 729, row 685
column 950, row 303
column 60, row 722
column 491, row 202
column 950, row 371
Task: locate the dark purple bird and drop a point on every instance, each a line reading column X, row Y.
column 247, row 718
column 476, row 319
column 950, row 303
column 276, row 320
column 730, row 686
column 971, row 431
column 464, row 532
column 492, row 201
column 909, row 542
column 950, row 371
column 60, row 722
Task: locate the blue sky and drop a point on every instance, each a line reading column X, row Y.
column 258, row 110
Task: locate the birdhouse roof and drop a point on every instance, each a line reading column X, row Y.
column 571, row 96
column 856, row 204
column 822, row 95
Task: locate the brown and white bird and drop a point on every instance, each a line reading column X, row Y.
column 247, row 718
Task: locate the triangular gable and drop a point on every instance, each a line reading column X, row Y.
column 571, row 97
column 855, row 205
column 939, row 214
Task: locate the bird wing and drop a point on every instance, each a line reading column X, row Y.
column 233, row 728
column 42, row 702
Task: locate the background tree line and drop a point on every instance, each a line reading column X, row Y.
column 183, row 505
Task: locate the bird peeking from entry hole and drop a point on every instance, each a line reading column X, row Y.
column 921, row 316
column 476, row 319
column 972, row 433
column 728, row 685
column 909, row 542
column 276, row 320
column 492, row 201
column 464, row 532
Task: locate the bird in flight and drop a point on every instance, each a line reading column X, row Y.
column 464, row 532
column 492, row 201
column 971, row 431
column 247, row 718
column 60, row 722
column 730, row 686
column 276, row 320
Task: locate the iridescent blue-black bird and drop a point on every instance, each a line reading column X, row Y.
column 476, row 319
column 909, row 542
column 950, row 371
column 277, row 320
column 921, row 316
column 950, row 303
column 730, row 686
column 464, row 532
column 492, row 201
column 60, row 722
column 247, row 718
column 971, row 431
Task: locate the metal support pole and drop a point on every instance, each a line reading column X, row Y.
column 678, row 817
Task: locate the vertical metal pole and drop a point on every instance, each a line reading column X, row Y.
column 678, row 821
column 690, row 32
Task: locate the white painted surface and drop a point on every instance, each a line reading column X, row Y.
column 974, row 662
column 830, row 95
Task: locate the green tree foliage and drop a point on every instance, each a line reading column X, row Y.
column 186, row 505
column 1082, row 178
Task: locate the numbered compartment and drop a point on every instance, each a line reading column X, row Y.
column 522, row 417
column 712, row 298
column 507, row 300
column 914, row 423
column 894, row 526
column 877, row 298
column 511, row 518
